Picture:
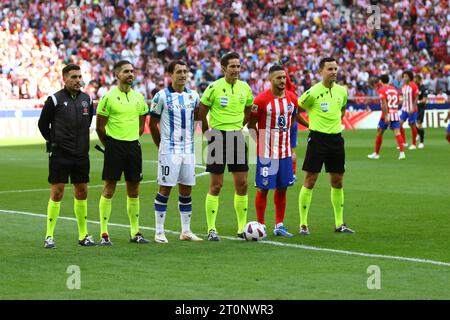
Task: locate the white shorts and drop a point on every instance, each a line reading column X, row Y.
column 176, row 168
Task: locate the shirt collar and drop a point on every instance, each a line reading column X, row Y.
column 172, row 90
column 68, row 93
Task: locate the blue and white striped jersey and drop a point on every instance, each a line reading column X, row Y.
column 176, row 111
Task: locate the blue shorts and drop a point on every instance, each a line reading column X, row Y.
column 383, row 125
column 274, row 173
column 293, row 132
column 448, row 128
column 412, row 118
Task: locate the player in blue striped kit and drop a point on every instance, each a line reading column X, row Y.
column 175, row 109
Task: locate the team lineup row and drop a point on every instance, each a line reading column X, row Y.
column 121, row 112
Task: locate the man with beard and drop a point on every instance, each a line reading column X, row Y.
column 120, row 122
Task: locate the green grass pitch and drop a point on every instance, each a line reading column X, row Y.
column 399, row 209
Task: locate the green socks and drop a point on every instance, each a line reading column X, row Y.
column 80, row 209
column 105, row 212
column 52, row 215
column 241, row 205
column 211, row 208
column 337, row 199
column 304, row 201
column 133, row 215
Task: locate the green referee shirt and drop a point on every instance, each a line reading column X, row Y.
column 123, row 110
column 324, row 106
column 227, row 103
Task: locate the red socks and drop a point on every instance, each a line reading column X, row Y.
column 400, row 142
column 279, row 199
column 378, row 141
column 402, row 132
column 294, row 166
column 260, row 205
column 414, row 135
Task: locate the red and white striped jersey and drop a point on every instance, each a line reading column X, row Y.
column 274, row 119
column 391, row 95
column 409, row 92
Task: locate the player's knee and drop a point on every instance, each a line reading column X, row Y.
column 310, row 181
column 81, row 194
column 337, row 182
column 108, row 193
column 241, row 183
column 215, row 188
column 133, row 192
column 57, row 195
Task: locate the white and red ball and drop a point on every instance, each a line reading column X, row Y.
column 254, row 231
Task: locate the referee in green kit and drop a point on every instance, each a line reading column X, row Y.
column 325, row 103
column 120, row 121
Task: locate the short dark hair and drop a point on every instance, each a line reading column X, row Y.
column 69, row 68
column 409, row 73
column 275, row 67
column 325, row 60
column 384, row 78
column 227, row 57
column 173, row 63
column 121, row 63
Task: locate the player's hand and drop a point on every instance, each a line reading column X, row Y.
column 48, row 146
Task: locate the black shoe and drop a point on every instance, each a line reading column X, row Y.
column 105, row 241
column 344, row 229
column 240, row 236
column 213, row 236
column 87, row 242
column 139, row 239
column 49, row 243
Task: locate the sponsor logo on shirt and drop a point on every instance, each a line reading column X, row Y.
column 224, row 101
column 281, row 121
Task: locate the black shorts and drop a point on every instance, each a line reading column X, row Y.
column 421, row 114
column 122, row 156
column 226, row 148
column 63, row 165
column 325, row 148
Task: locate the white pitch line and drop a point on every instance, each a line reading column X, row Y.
column 274, row 243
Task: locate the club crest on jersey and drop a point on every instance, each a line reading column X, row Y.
column 224, row 101
column 281, row 121
column 84, row 104
column 324, row 106
column 265, row 181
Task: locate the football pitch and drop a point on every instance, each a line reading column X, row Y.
column 399, row 209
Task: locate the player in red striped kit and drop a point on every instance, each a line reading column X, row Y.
column 410, row 93
column 272, row 111
column 389, row 98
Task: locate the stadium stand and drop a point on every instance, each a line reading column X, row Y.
column 37, row 38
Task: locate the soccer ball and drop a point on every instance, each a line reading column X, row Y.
column 254, row 231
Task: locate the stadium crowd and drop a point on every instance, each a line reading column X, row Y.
column 37, row 38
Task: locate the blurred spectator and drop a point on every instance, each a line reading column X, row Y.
column 38, row 37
